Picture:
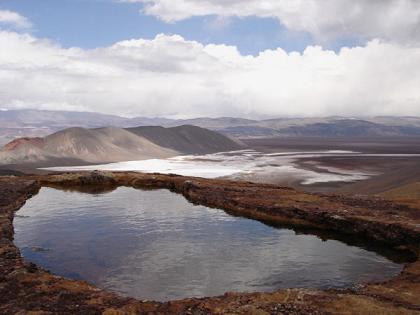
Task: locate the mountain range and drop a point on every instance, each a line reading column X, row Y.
column 77, row 146
column 39, row 123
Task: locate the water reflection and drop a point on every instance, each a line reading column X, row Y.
column 156, row 245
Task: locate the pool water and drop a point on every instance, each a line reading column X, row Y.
column 156, row 245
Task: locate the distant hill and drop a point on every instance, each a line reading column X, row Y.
column 250, row 132
column 39, row 123
column 49, row 118
column 327, row 127
column 213, row 123
column 187, row 139
column 112, row 144
column 349, row 128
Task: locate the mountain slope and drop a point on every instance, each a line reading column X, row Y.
column 110, row 144
column 89, row 145
column 187, row 139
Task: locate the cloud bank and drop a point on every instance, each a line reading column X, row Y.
column 171, row 76
column 397, row 20
column 13, row 19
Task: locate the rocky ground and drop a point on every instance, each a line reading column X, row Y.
column 26, row 288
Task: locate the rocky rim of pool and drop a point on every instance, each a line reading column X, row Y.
column 24, row 287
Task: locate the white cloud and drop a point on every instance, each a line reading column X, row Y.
column 14, row 19
column 397, row 20
column 172, row 76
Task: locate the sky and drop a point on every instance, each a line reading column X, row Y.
column 191, row 58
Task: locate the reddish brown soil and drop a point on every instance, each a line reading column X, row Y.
column 26, row 288
column 15, row 144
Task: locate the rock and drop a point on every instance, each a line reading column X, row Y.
column 97, row 178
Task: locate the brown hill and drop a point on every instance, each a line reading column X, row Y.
column 89, row 145
column 111, row 144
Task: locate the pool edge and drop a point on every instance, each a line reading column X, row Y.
column 25, row 287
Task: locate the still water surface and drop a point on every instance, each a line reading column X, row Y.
column 156, row 245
